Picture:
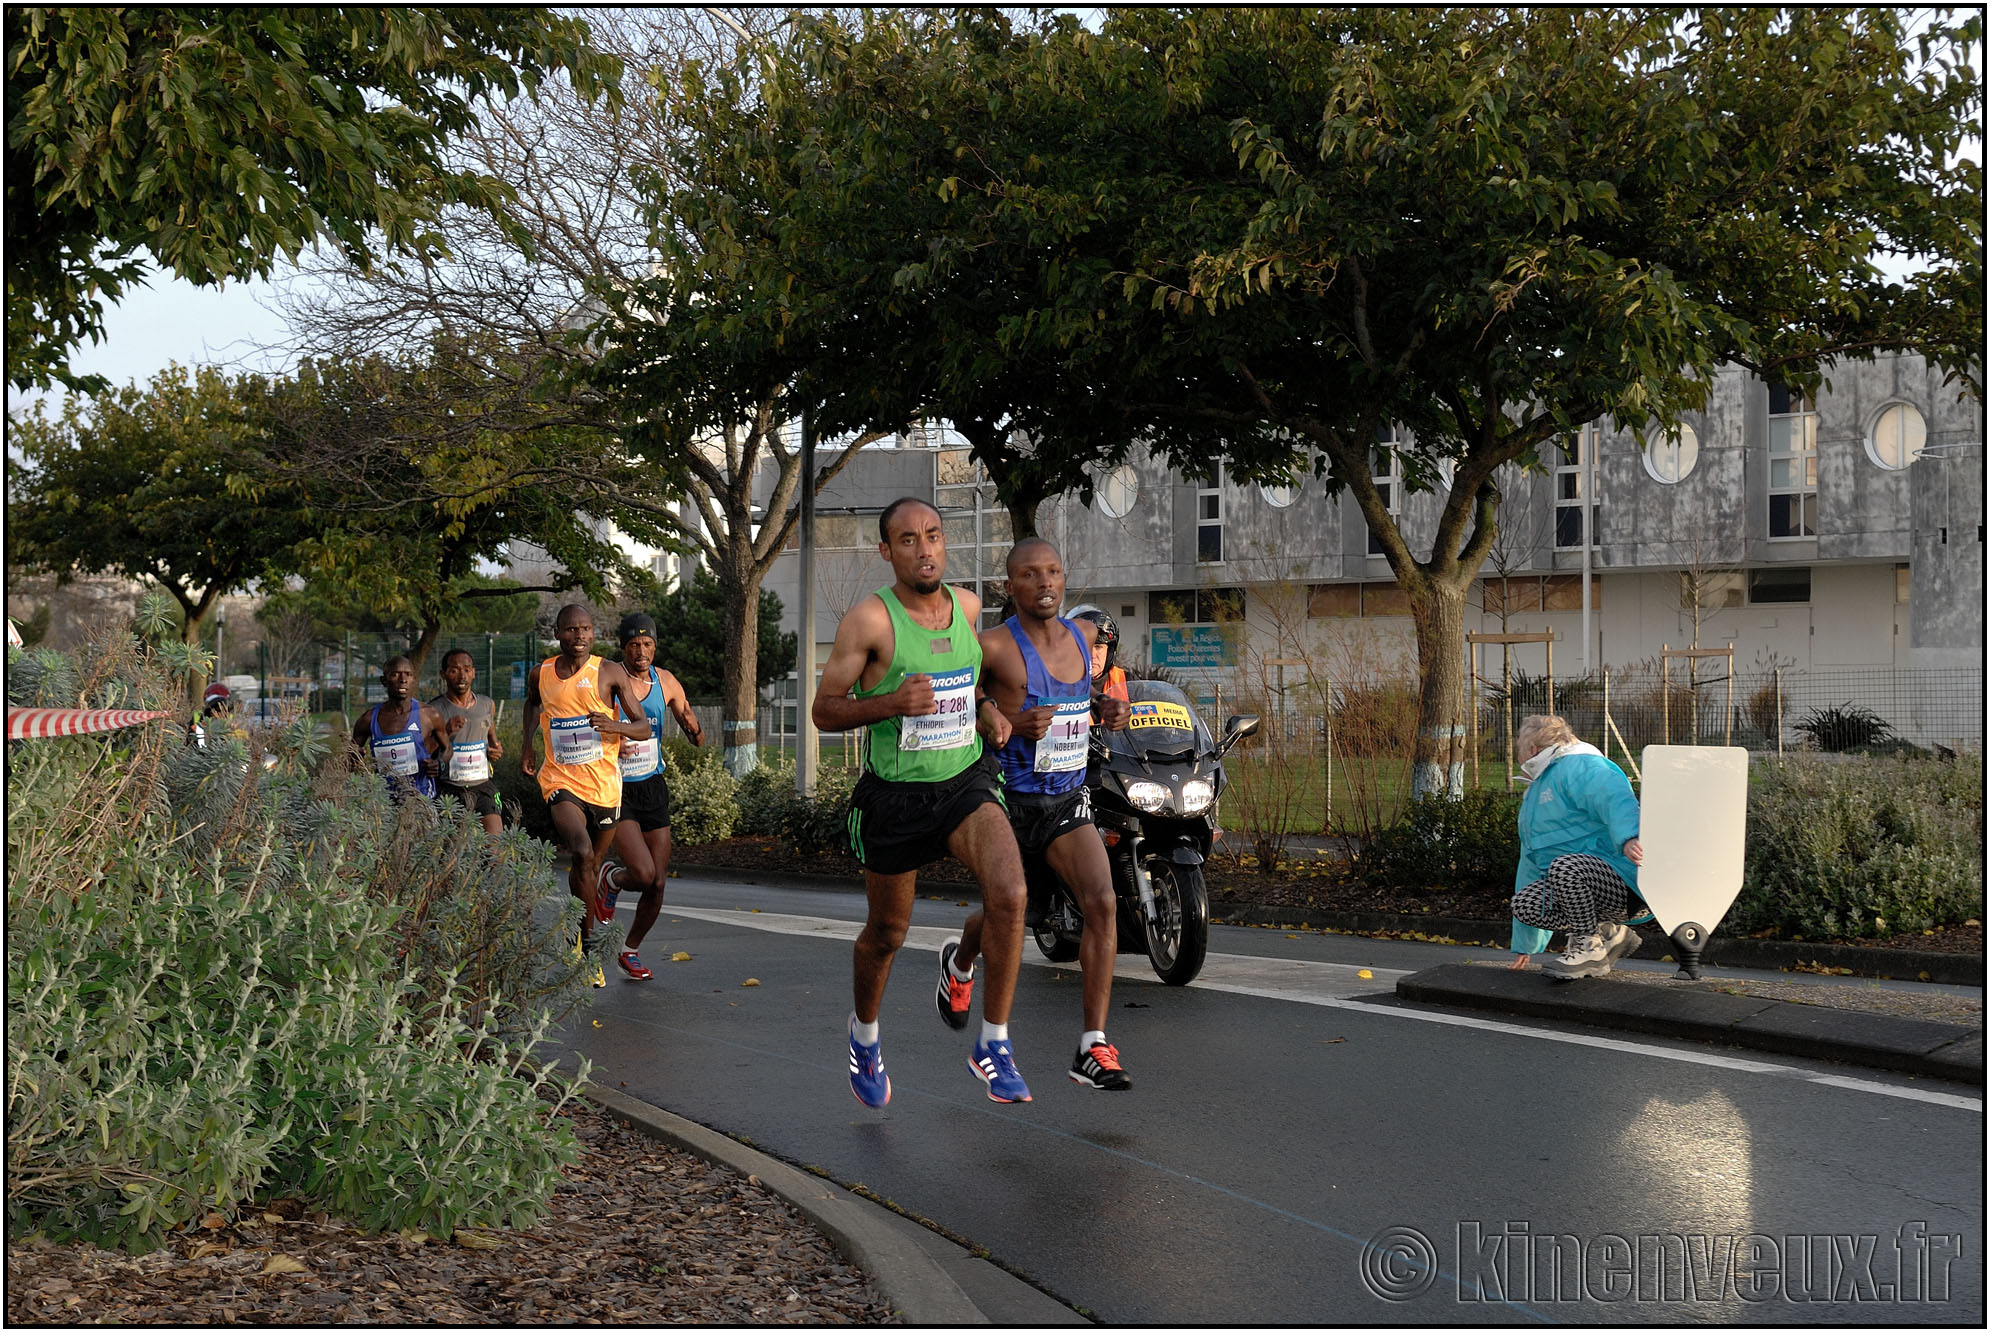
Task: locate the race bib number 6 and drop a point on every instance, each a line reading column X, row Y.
column 395, row 755
column 951, row 725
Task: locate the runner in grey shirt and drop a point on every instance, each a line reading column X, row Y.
column 473, row 744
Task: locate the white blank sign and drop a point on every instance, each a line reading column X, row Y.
column 1692, row 822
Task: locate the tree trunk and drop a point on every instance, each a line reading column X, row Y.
column 431, row 629
column 739, row 674
column 1437, row 761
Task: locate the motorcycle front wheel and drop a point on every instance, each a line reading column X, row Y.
column 1178, row 938
column 1051, row 941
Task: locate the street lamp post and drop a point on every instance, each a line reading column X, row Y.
column 805, row 736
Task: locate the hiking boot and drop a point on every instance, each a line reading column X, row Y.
column 1619, row 942
column 1584, row 957
column 868, row 1080
column 954, row 998
column 1099, row 1067
column 995, row 1064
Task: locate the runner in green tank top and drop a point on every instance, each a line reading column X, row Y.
column 906, row 665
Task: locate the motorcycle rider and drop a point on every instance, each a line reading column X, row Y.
column 1035, row 665
column 1108, row 678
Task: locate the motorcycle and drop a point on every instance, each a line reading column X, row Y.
column 1153, row 788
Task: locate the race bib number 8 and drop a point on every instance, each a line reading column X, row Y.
column 952, row 724
column 469, row 762
column 1065, row 745
column 575, row 741
column 395, row 755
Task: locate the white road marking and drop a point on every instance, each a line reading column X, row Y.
column 1327, row 984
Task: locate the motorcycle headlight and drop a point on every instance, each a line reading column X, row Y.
column 1196, row 796
column 1147, row 797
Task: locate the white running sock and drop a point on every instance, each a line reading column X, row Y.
column 956, row 972
column 1090, row 1039
column 994, row 1031
column 865, row 1032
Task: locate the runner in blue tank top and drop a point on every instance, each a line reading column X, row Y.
column 400, row 736
column 1037, row 668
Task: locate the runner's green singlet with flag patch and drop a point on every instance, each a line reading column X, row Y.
column 943, row 743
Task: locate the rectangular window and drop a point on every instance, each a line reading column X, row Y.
column 1573, row 471
column 1792, row 464
column 1386, row 466
column 1709, row 591
column 1209, row 521
column 1510, row 595
column 1563, row 592
column 1209, row 605
column 1384, row 599
column 1781, row 585
column 1333, row 601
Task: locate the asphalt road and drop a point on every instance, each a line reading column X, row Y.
column 1299, row 1148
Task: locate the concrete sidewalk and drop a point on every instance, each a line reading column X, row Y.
column 1695, row 1012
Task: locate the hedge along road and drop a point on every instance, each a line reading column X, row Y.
column 1295, row 1152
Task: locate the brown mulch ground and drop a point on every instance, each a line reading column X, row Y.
column 638, row 1233
column 1299, row 886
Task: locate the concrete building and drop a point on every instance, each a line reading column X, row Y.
column 1816, row 536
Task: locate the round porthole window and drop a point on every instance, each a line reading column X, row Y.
column 1669, row 458
column 1280, row 497
column 1117, row 493
column 1898, row 437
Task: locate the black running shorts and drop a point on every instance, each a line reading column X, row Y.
column 896, row 827
column 647, row 802
column 599, row 819
column 480, row 799
column 1039, row 820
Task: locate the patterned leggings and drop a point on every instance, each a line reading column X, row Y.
column 1575, row 893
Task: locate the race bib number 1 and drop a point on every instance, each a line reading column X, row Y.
column 575, row 741
column 952, row 725
column 469, row 762
column 1065, row 745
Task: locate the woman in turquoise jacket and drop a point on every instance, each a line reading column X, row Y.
column 1579, row 853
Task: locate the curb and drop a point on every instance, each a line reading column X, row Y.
column 1760, row 954
column 1873, row 1040
column 908, row 1264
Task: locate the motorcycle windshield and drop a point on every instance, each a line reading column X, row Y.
column 1163, row 721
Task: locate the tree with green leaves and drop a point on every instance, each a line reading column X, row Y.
column 1285, row 234
column 214, row 140
column 403, row 496
column 136, row 482
column 692, row 642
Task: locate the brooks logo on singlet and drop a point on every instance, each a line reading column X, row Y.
column 941, row 744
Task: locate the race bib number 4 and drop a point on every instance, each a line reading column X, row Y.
column 639, row 757
column 470, row 762
column 575, row 741
column 395, row 755
column 1065, row 745
column 952, row 724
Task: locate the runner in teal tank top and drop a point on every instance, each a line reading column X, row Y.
column 905, row 667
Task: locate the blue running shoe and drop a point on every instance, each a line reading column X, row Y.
column 868, row 1079
column 995, row 1064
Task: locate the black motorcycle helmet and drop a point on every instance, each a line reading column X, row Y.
column 1108, row 629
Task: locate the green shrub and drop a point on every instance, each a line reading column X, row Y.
column 822, row 823
column 1861, row 846
column 1845, row 726
column 766, row 798
column 227, row 977
column 1471, row 845
column 177, row 1045
column 703, row 801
